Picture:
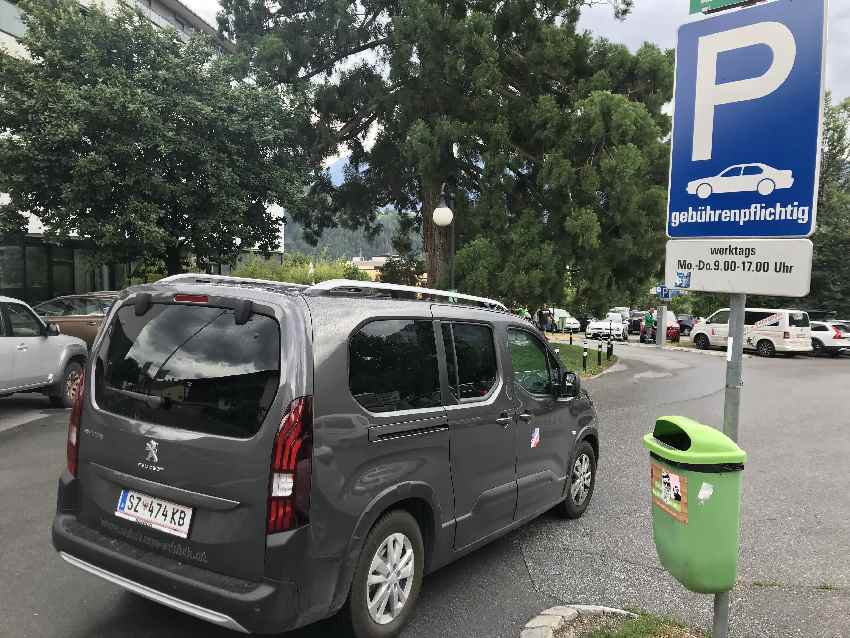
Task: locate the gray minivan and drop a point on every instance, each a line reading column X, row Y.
column 260, row 455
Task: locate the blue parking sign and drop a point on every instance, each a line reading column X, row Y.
column 748, row 115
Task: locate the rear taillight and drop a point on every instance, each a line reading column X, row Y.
column 73, row 447
column 291, row 469
column 837, row 334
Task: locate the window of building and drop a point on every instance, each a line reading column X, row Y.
column 471, row 359
column 12, row 271
column 530, row 362
column 36, row 271
column 393, row 366
column 22, row 322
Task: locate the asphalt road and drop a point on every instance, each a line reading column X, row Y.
column 795, row 556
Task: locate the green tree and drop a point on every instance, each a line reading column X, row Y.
column 119, row 132
column 402, row 270
column 558, row 136
column 300, row 269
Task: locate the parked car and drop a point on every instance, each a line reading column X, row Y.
column 377, row 439
column 766, row 330
column 611, row 327
column 635, row 321
column 564, row 321
column 36, row 357
column 78, row 315
column 672, row 330
column 830, row 337
column 624, row 312
column 686, row 324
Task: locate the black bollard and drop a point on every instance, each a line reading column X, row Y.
column 610, row 352
column 584, row 357
column 571, row 336
column 599, row 353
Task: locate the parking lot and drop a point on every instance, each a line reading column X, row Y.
column 794, row 576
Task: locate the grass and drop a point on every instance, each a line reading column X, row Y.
column 646, row 626
column 572, row 355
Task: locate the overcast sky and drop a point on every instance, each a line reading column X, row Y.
column 657, row 20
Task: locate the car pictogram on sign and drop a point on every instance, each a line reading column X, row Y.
column 742, row 178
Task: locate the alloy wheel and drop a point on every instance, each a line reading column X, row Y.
column 390, row 578
column 582, row 479
column 72, row 385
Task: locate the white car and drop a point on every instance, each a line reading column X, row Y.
column 612, row 326
column 741, row 178
column 766, row 330
column 35, row 357
column 565, row 321
column 829, row 337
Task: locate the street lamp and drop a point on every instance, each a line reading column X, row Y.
column 443, row 216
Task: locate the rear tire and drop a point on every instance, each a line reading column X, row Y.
column 582, row 480
column 766, row 187
column 68, row 387
column 393, row 545
column 704, row 191
column 766, row 349
column 702, row 342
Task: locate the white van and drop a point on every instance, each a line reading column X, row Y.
column 767, row 331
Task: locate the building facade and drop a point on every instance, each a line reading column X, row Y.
column 32, row 268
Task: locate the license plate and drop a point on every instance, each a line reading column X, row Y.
column 157, row 513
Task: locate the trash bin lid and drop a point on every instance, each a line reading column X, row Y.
column 683, row 440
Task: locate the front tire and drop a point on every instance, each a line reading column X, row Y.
column 69, row 386
column 388, row 577
column 581, row 482
column 817, row 346
column 766, row 349
column 702, row 342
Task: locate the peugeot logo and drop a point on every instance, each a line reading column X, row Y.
column 151, row 449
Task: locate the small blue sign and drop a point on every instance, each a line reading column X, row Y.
column 747, row 122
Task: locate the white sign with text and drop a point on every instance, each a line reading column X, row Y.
column 779, row 267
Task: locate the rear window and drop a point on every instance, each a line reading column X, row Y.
column 393, row 366
column 190, row 367
column 798, row 319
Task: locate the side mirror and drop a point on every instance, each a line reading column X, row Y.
column 51, row 330
column 570, row 386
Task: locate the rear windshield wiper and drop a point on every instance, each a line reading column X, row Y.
column 150, row 400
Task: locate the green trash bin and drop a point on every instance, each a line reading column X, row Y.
column 696, row 502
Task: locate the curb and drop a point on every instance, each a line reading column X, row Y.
column 562, row 618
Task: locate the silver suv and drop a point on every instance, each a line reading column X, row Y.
column 35, row 357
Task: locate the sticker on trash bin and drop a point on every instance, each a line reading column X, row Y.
column 670, row 492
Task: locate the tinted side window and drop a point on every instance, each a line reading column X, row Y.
column 752, row 317
column 58, row 308
column 720, row 317
column 752, row 170
column 819, row 328
column 798, row 319
column 475, row 354
column 529, row 359
column 190, row 367
column 393, row 366
column 22, row 322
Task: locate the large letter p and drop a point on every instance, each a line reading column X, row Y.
column 709, row 94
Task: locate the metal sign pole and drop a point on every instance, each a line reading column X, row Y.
column 731, row 416
column 661, row 326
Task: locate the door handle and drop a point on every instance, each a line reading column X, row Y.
column 92, row 323
column 505, row 420
column 21, row 347
column 525, row 416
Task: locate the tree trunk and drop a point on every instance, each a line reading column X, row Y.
column 173, row 263
column 436, row 241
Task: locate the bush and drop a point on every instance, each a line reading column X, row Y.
column 296, row 269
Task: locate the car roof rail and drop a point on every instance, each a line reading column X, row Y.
column 236, row 282
column 397, row 291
